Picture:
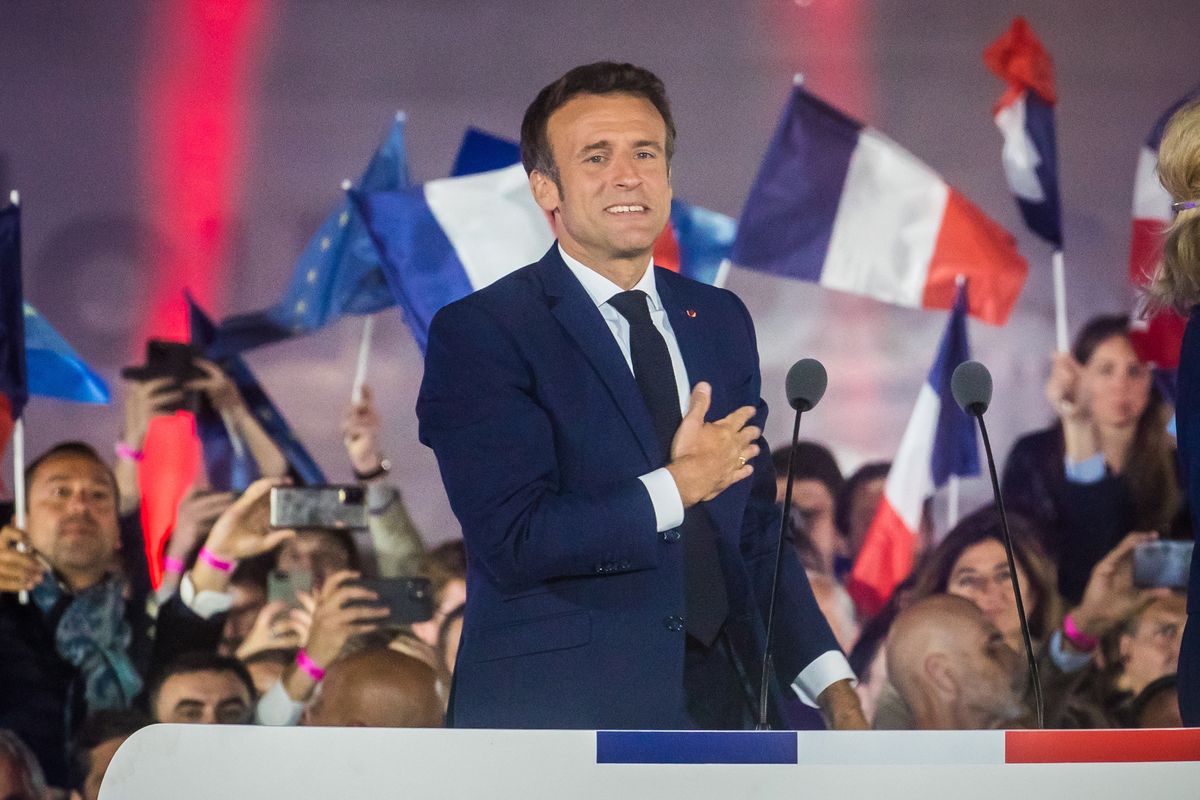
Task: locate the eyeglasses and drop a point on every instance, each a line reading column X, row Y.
column 1183, row 205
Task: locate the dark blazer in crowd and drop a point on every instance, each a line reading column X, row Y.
column 1187, row 413
column 1079, row 523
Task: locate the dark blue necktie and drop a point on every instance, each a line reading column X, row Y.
column 707, row 603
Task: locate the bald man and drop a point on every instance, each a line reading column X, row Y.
column 378, row 688
column 953, row 668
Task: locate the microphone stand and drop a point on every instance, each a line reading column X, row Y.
column 1038, row 700
column 763, row 725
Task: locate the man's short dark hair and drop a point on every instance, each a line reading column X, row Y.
column 98, row 728
column 602, row 77
column 814, row 462
column 71, row 448
column 199, row 661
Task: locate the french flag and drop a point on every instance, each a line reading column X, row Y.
column 939, row 442
column 840, row 204
column 1158, row 338
column 1025, row 116
column 444, row 239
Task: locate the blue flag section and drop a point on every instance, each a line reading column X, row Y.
column 14, row 389
column 481, row 151
column 955, row 447
column 338, row 273
column 230, row 468
column 54, row 368
column 1042, row 211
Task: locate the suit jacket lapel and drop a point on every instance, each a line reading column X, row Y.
column 698, row 356
column 573, row 308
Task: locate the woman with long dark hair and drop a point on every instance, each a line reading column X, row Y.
column 1106, row 467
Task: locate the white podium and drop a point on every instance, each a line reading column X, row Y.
column 233, row 762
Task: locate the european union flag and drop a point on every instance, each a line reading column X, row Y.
column 14, row 390
column 231, row 468
column 54, row 368
column 337, row 274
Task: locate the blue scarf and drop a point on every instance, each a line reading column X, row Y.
column 94, row 635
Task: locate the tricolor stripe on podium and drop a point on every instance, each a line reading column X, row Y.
column 842, row 205
column 898, row 748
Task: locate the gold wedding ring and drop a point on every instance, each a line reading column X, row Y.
column 741, row 461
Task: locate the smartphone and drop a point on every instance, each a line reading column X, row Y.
column 408, row 599
column 1163, row 564
column 325, row 507
column 283, row 586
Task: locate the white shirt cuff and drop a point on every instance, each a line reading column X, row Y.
column 276, row 707
column 664, row 496
column 824, row 671
column 206, row 603
column 1090, row 470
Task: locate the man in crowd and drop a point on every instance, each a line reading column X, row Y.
column 203, row 688
column 377, row 688
column 597, row 423
column 75, row 633
column 952, row 666
column 95, row 744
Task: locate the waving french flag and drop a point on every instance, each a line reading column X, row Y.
column 939, row 442
column 1158, row 338
column 840, row 204
column 448, row 237
column 1025, row 116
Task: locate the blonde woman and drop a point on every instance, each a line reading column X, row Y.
column 1177, row 285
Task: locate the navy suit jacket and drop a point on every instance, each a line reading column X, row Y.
column 1187, row 417
column 540, row 433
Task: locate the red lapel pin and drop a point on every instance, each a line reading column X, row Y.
column 691, row 312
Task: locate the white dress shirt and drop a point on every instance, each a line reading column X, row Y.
column 829, row 667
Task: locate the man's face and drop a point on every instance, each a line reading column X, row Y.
column 1151, row 649
column 212, row 698
column 73, row 514
column 613, row 196
column 990, row 678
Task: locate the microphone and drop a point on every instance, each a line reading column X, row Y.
column 971, row 385
column 805, row 386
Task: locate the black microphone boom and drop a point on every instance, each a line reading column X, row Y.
column 805, row 385
column 971, row 385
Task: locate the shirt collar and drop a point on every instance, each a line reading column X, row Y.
column 601, row 289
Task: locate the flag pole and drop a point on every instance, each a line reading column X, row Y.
column 952, row 502
column 18, row 448
column 364, row 354
column 1060, row 303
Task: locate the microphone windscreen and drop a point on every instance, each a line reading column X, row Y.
column 806, row 382
column 971, row 385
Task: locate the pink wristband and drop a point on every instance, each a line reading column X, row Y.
column 218, row 564
column 127, row 452
column 309, row 666
column 1078, row 639
column 173, row 565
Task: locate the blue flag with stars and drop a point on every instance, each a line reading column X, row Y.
column 230, row 468
column 337, row 274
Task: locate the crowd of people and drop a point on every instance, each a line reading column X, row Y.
column 90, row 651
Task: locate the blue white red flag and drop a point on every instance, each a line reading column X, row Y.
column 337, row 274
column 939, row 442
column 1025, row 116
column 14, row 387
column 842, row 205
column 446, row 238
column 1158, row 338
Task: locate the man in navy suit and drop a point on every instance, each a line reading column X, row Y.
column 597, row 423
